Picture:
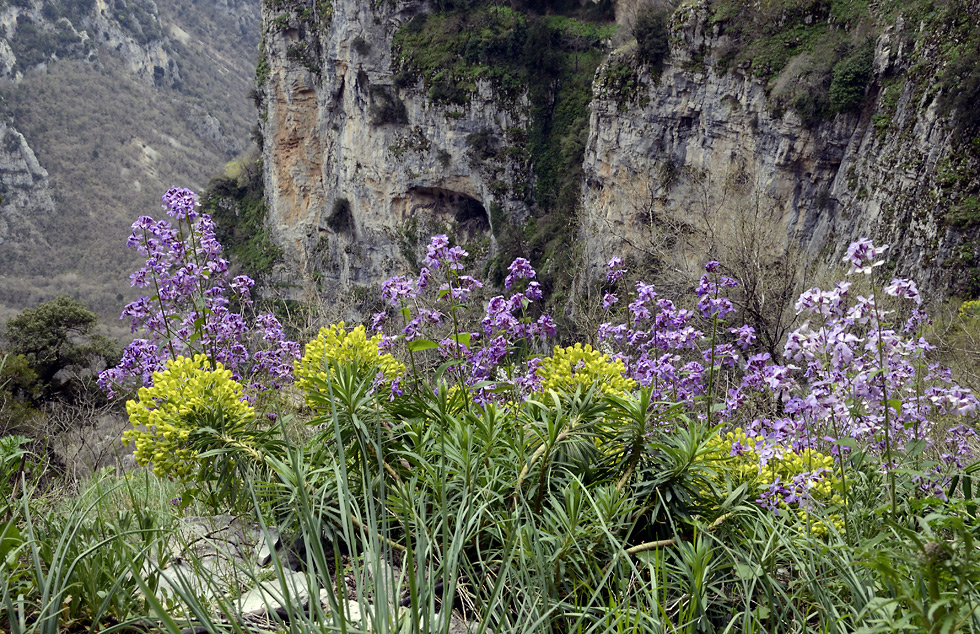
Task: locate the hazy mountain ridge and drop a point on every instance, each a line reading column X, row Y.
column 117, row 101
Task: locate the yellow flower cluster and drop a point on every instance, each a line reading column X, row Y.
column 582, row 366
column 786, row 464
column 182, row 397
column 335, row 346
column 970, row 309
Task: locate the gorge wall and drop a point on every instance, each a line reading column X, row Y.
column 725, row 148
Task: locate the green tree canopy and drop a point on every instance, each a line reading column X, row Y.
column 57, row 335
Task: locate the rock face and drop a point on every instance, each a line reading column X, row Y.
column 360, row 166
column 359, row 170
column 25, row 197
column 707, row 144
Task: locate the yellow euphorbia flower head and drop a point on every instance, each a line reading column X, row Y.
column 582, row 366
column 334, row 345
column 185, row 396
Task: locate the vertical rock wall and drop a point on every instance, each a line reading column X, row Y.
column 360, row 167
column 689, row 151
column 359, row 170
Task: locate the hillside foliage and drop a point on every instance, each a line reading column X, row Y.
column 685, row 483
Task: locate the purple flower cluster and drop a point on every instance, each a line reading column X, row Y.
column 508, row 326
column 850, row 371
column 660, row 344
column 189, row 305
column 440, row 253
column 616, row 270
column 795, row 492
column 711, row 302
column 859, row 377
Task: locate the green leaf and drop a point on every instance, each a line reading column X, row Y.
column 437, row 376
column 850, row 443
column 915, row 447
column 747, row 571
column 422, row 344
column 406, row 313
column 952, row 485
column 10, row 538
column 187, row 497
column 895, row 404
column 463, row 338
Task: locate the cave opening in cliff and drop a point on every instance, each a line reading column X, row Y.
column 465, row 213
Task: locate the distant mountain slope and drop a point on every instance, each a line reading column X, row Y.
column 117, row 100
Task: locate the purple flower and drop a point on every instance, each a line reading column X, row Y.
column 645, row 292
column 519, row 269
column 546, row 326
column 454, row 258
column 181, row 203
column 608, row 300
column 638, row 310
column 396, row 387
column 862, row 256
column 242, row 285
column 616, row 270
column 533, row 291
column 715, row 306
column 436, row 251
column 395, row 289
column 901, row 287
column 744, row 335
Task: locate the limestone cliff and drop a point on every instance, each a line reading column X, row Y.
column 358, row 169
column 25, row 195
column 700, row 144
column 702, row 148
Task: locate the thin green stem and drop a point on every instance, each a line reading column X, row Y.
column 882, row 362
column 163, row 312
column 711, row 368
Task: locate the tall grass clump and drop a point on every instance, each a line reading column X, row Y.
column 459, row 468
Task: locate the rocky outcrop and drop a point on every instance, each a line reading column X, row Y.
column 120, row 100
column 25, row 200
column 359, row 170
column 360, row 165
column 697, row 146
column 46, row 34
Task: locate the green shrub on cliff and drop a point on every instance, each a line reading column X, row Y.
column 851, row 76
column 652, row 43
